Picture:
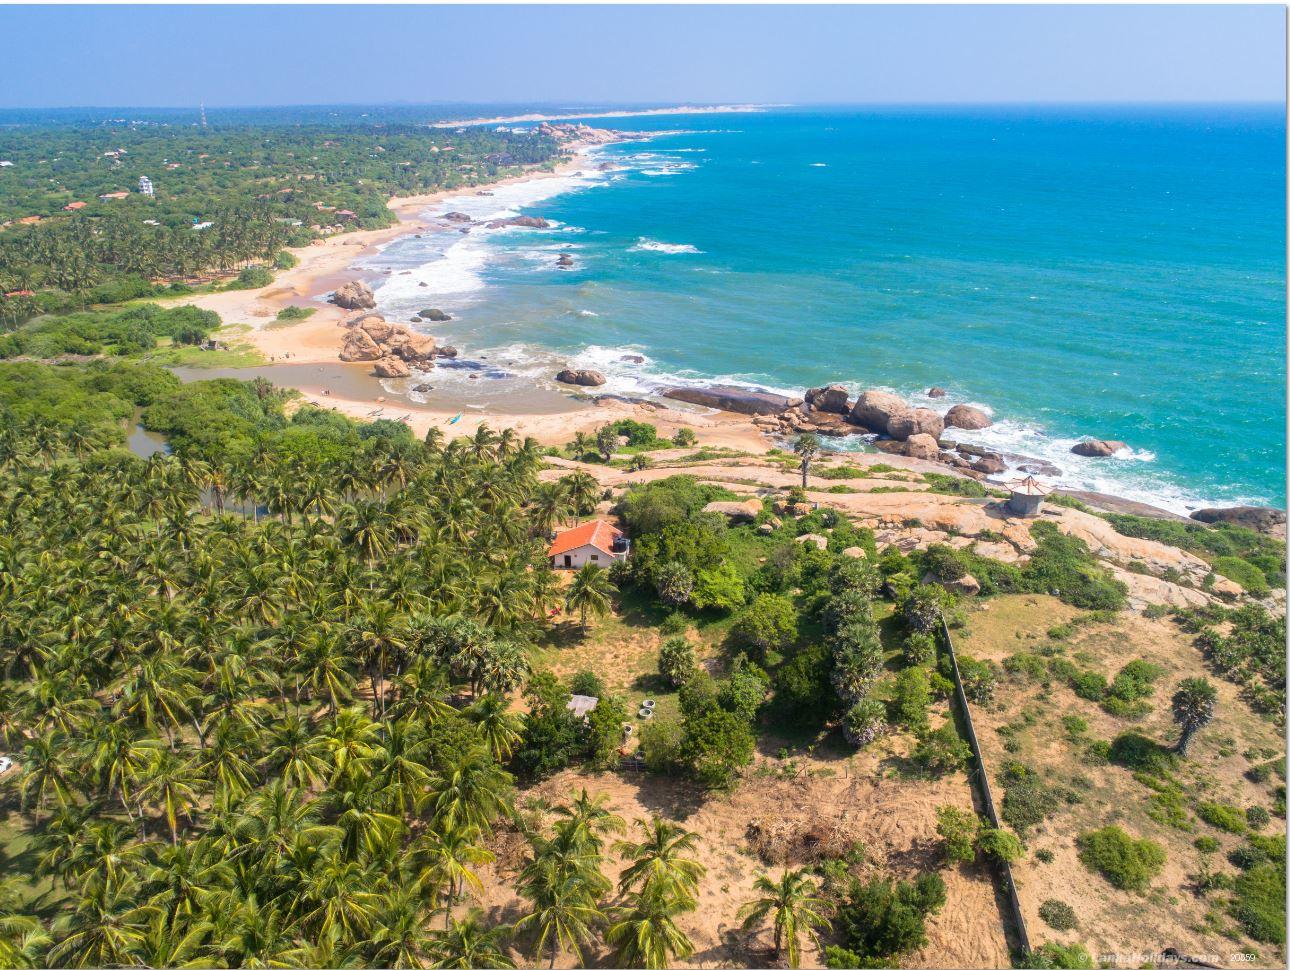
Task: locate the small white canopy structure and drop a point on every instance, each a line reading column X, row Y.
column 1026, row 495
column 582, row 704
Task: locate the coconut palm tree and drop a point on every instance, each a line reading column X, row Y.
column 1193, row 707
column 645, row 934
column 468, row 944
column 659, row 863
column 499, row 728
column 589, row 593
column 793, row 908
column 446, row 858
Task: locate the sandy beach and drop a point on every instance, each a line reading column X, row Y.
column 305, row 355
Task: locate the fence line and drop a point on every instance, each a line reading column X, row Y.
column 981, row 776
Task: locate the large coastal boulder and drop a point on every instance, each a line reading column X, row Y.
column 1258, row 518
column 936, row 392
column 355, row 295
column 376, row 327
column 831, row 398
column 967, row 417
column 736, row 511
column 989, row 466
column 434, row 315
column 522, row 222
column 582, row 378
column 918, row 421
column 456, row 217
column 921, row 446
column 417, row 348
column 358, row 345
column 875, row 409
column 564, row 261
column 724, row 397
column 391, row 367
column 1097, row 448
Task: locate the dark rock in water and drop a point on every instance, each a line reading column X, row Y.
column 976, row 451
column 606, row 167
column 445, row 351
column 632, row 358
column 435, row 316
column 1258, row 518
column 423, row 388
column 831, row 398
column 936, row 392
column 414, row 319
column 565, row 261
column 423, row 284
column 583, row 378
column 456, row 217
column 905, row 425
column 1095, row 448
column 522, row 222
column 989, row 466
column 723, row 397
column 1035, row 466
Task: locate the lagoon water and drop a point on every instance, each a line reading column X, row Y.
column 1118, row 273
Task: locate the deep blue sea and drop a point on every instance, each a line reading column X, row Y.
column 1114, row 272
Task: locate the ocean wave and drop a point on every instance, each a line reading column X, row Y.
column 653, row 246
column 819, row 165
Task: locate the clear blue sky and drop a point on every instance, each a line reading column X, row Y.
column 179, row 55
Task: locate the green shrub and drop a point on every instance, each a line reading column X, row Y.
column 660, row 744
column 285, row 260
column 1260, row 903
column 1207, row 844
column 1248, row 575
column 1027, row 801
column 804, row 696
column 1125, row 862
column 1257, row 816
column 1226, row 818
column 979, row 679
column 296, row 312
column 1135, row 680
column 253, row 277
column 999, row 844
column 959, row 829
column 1027, row 666
column 942, row 750
column 1075, row 725
column 1054, row 956
column 881, row 919
column 1089, row 685
column 1044, row 855
column 768, row 623
column 1058, row 915
column 1138, row 752
column 911, row 699
column 1064, row 566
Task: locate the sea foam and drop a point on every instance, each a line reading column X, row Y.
column 654, row 246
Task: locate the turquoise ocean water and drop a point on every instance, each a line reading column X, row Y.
column 1079, row 271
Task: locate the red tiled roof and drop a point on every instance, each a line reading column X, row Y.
column 596, row 533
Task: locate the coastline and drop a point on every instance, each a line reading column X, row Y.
column 305, row 355
column 622, row 113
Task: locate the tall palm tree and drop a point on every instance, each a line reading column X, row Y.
column 563, row 916
column 659, row 863
column 589, row 593
column 448, row 856
column 468, row 944
column 645, row 934
column 499, row 728
column 1193, row 707
column 793, row 908
column 23, row 938
column 807, row 448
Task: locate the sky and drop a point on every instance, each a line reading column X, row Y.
column 249, row 56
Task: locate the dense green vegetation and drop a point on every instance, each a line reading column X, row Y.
column 251, row 188
column 121, row 333
column 1246, row 646
column 1250, row 558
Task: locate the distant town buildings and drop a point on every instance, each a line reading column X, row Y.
column 145, row 186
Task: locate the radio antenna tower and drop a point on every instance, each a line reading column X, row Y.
column 203, row 110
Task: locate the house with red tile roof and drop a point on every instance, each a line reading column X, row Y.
column 595, row 542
